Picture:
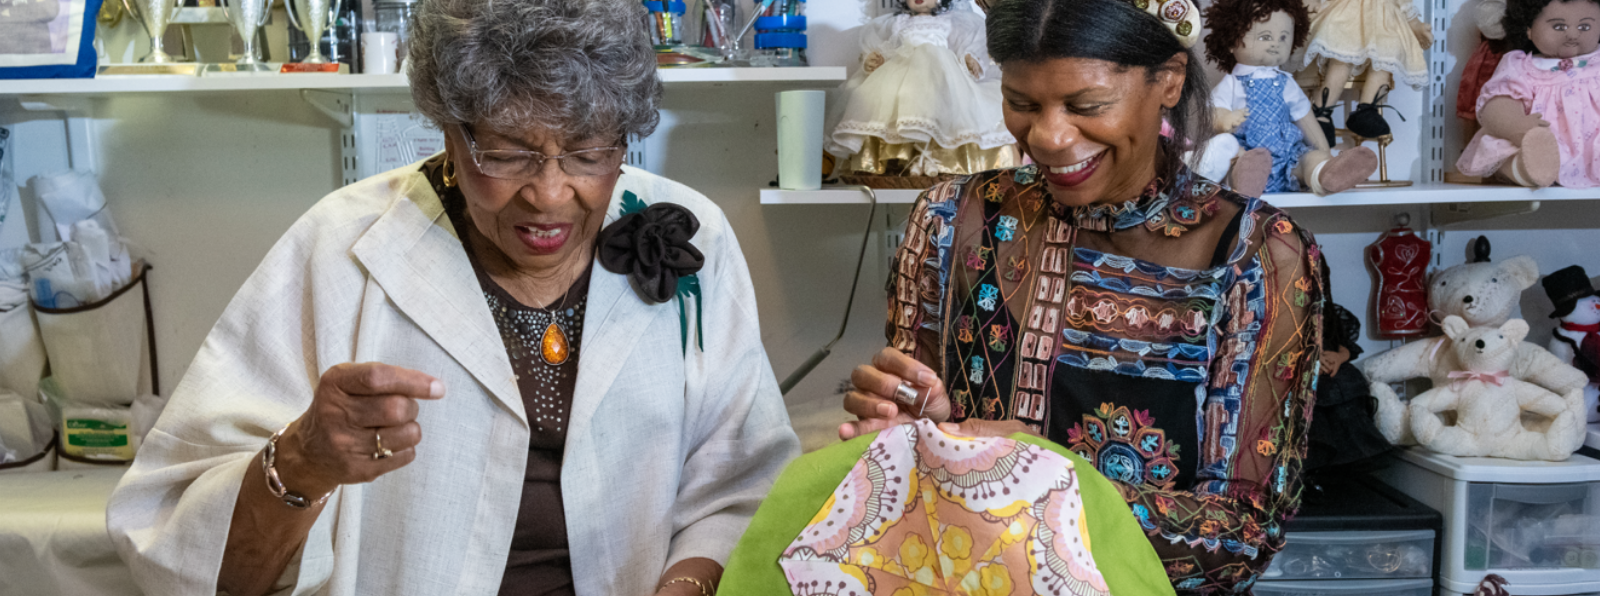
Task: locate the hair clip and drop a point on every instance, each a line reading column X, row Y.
column 1180, row 16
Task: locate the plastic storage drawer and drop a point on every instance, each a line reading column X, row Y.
column 1362, row 587
column 1354, row 555
column 1535, row 523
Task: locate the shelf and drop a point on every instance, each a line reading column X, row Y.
column 843, row 196
column 390, row 83
column 1411, row 195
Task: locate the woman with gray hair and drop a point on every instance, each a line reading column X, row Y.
column 589, row 430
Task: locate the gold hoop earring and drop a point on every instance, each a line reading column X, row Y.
column 449, row 171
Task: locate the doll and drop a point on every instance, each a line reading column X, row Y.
column 1577, row 338
column 1487, row 14
column 1540, row 111
column 1257, row 106
column 926, row 96
column 1350, row 36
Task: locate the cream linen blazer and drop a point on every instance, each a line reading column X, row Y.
column 667, row 454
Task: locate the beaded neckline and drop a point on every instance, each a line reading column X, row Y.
column 1162, row 207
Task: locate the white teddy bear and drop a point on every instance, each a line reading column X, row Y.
column 1482, row 294
column 1489, row 403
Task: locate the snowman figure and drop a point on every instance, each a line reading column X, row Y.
column 1577, row 338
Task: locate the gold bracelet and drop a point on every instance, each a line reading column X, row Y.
column 704, row 589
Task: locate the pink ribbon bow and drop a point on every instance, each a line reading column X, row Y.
column 1460, row 378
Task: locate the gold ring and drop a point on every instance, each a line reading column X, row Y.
column 381, row 453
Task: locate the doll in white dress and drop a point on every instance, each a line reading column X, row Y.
column 926, row 100
column 1351, row 36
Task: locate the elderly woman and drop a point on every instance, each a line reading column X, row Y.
column 429, row 387
column 1162, row 327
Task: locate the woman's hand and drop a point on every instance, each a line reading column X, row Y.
column 336, row 441
column 973, row 67
column 873, row 61
column 873, row 399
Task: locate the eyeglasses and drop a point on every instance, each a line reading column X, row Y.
column 507, row 164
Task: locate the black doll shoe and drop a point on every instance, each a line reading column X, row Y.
column 1324, row 116
column 1367, row 120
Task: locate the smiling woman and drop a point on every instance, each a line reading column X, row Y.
column 1157, row 324
column 569, row 408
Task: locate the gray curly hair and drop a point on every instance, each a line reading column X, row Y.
column 582, row 67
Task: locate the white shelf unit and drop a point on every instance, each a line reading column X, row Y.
column 1422, row 194
column 365, row 83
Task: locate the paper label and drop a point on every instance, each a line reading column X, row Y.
column 97, row 439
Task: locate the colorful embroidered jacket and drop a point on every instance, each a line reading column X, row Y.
column 1191, row 389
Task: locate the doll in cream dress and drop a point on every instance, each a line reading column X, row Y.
column 1349, row 37
column 927, row 95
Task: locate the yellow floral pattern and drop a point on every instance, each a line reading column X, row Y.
column 924, row 513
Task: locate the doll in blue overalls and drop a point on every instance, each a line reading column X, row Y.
column 1258, row 111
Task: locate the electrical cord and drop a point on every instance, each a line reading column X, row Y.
column 811, row 363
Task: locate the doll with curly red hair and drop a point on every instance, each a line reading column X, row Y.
column 1258, row 109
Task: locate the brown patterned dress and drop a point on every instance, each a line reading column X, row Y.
column 1189, row 388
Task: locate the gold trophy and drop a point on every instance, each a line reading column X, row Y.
column 312, row 17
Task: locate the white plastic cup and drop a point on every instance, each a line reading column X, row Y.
column 380, row 52
column 800, row 116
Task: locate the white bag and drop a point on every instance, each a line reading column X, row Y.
column 96, row 349
column 26, row 437
column 21, row 354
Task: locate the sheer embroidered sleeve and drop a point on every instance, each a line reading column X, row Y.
column 1220, row 535
column 917, row 286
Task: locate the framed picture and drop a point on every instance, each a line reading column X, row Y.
column 47, row 39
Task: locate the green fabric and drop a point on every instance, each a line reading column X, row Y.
column 1121, row 551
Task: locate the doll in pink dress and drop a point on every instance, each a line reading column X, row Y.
column 1541, row 110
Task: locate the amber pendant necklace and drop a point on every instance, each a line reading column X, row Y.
column 554, row 348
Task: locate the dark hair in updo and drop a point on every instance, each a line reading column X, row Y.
column 1230, row 20
column 1109, row 30
column 1520, row 15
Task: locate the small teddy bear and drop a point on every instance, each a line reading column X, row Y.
column 1483, row 294
column 1489, row 403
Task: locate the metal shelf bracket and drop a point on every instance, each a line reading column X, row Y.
column 1446, row 214
column 333, row 104
column 78, row 114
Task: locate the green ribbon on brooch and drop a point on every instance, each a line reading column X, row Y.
column 650, row 244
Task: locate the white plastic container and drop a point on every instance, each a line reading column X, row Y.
column 1527, row 521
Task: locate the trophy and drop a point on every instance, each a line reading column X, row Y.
column 154, row 15
column 313, row 17
column 247, row 16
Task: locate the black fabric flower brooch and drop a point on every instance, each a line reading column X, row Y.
column 650, row 245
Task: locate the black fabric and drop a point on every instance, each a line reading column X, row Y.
column 1170, row 404
column 1344, row 434
column 1230, row 237
column 652, row 248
